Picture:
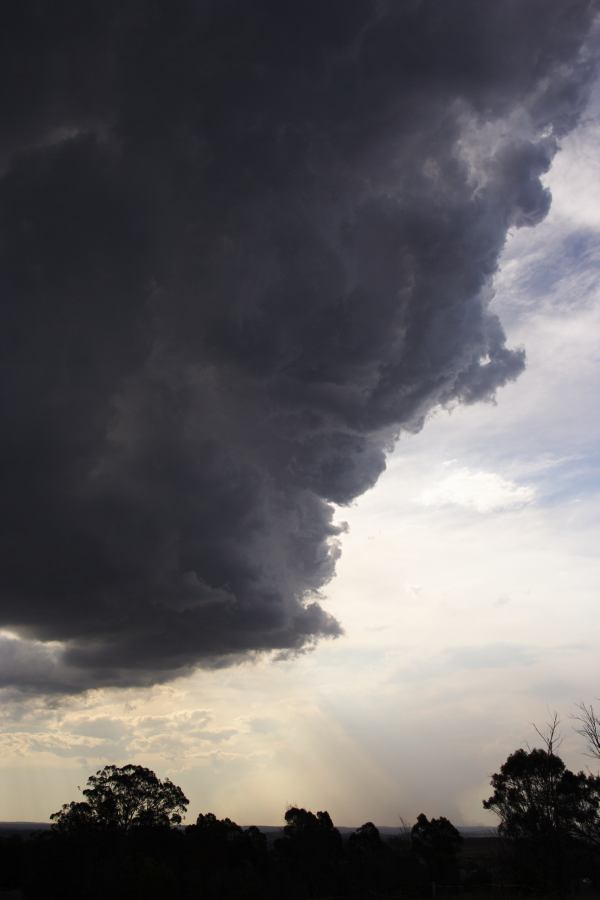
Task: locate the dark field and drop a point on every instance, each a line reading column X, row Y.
column 225, row 862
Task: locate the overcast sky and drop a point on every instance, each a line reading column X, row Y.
column 238, row 291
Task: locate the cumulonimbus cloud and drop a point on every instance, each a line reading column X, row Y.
column 243, row 245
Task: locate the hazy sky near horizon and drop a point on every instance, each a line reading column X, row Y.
column 464, row 604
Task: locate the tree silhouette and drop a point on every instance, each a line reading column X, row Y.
column 545, row 811
column 122, row 799
column 365, row 841
column 310, row 834
column 536, row 797
column 436, row 843
column 370, row 861
column 589, row 729
column 311, row 847
column 223, row 842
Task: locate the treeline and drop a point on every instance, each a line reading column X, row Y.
column 125, row 840
column 216, row 859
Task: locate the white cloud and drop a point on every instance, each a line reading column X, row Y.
column 575, row 175
column 484, row 492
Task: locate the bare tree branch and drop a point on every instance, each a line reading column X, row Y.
column 550, row 734
column 589, row 728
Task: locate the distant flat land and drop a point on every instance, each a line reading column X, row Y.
column 467, row 831
column 8, row 828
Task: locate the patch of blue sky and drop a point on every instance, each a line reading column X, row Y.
column 567, row 481
column 547, row 276
column 557, row 269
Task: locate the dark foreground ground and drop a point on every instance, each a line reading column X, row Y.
column 252, row 864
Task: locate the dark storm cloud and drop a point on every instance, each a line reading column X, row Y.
column 243, row 246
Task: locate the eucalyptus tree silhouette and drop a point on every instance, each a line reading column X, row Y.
column 122, row 799
column 311, row 848
column 548, row 814
column 310, row 834
column 538, row 799
column 436, row 843
column 365, row 841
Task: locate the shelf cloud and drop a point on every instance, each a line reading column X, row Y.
column 242, row 247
